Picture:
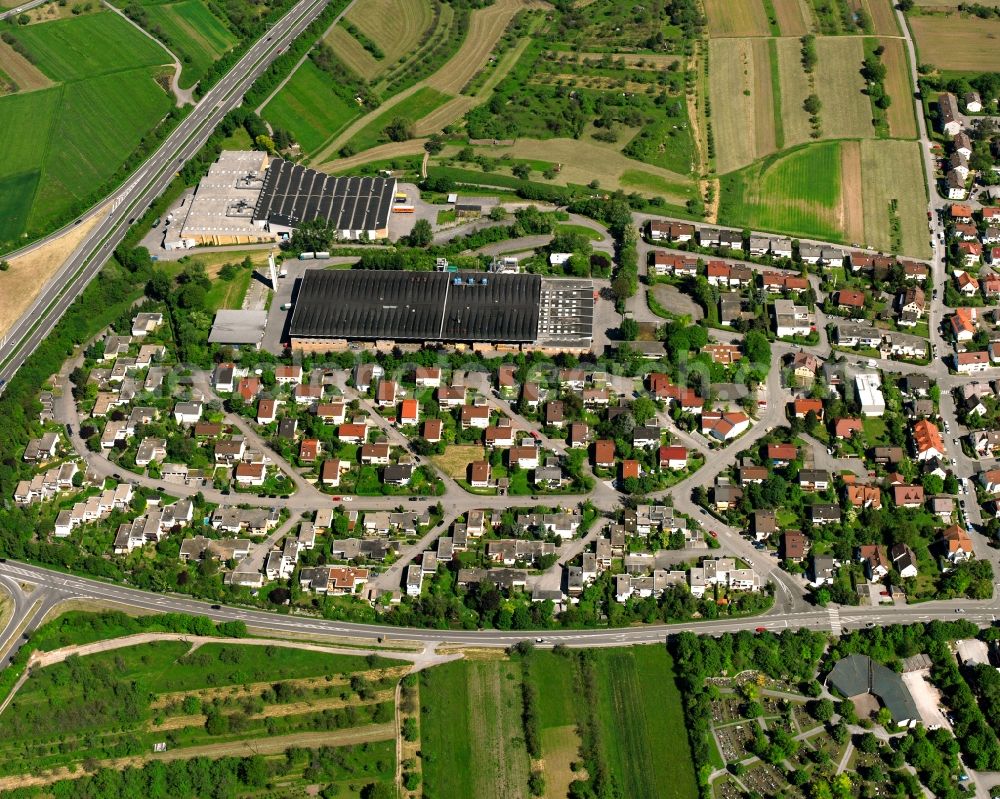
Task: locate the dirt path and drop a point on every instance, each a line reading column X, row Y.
column 260, row 746
column 58, row 655
column 699, row 137
column 183, row 96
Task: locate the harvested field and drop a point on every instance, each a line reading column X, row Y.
column 353, row 55
column 741, row 18
column 795, row 89
column 846, row 113
column 20, row 70
column 396, row 26
column 892, row 170
column 793, row 17
column 381, row 153
column 28, row 274
column 960, row 43
column 583, row 161
column 486, row 26
column 852, row 207
column 926, row 3
column 883, row 16
column 560, row 747
column 445, row 115
column 900, row 114
column 742, row 101
column 456, row 459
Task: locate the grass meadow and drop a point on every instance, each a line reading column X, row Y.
column 412, row 108
column 62, row 143
column 196, row 35
column 308, row 108
column 795, row 192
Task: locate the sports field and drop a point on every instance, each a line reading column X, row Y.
column 308, row 107
column 471, row 733
column 795, row 192
column 740, row 88
column 61, row 143
column 740, row 18
column 957, row 43
column 793, row 17
column 893, row 174
column 846, row 113
column 900, row 114
column 194, row 33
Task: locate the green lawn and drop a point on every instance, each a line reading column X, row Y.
column 796, row 192
column 63, row 143
column 308, row 108
column 415, row 107
column 193, row 33
column 229, row 294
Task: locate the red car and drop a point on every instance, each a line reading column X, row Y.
column 713, row 533
column 335, row 499
column 760, row 630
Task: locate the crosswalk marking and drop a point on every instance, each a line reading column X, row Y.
column 835, row 626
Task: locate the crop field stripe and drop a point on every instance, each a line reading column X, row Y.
column 794, row 88
column 847, row 112
column 26, row 75
column 965, row 44
column 742, row 18
column 792, row 17
column 900, row 114
column 194, row 31
column 352, row 54
column 776, row 99
column 396, row 26
column 762, row 97
column 883, row 17
column 893, row 170
column 852, row 207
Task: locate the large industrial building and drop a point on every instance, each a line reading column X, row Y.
column 248, row 198
column 336, row 310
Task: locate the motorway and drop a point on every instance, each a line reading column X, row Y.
column 146, row 184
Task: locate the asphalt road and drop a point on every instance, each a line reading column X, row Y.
column 68, row 586
column 147, row 184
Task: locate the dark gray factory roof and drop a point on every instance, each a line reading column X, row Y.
column 427, row 306
column 293, row 194
column 859, row 674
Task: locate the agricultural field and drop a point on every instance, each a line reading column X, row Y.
column 883, row 16
column 472, row 737
column 24, row 75
column 309, row 108
column 954, row 42
column 193, row 32
column 745, row 18
column 741, row 90
column 796, row 192
column 900, row 114
column 395, row 26
column 627, row 698
column 411, row 108
column 846, row 113
column 208, row 700
column 64, row 142
column 793, row 17
column 794, row 89
column 894, row 187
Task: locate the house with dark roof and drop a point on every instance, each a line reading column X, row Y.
column 858, row 675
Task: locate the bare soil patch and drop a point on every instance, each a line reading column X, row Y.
column 26, row 75
column 851, row 204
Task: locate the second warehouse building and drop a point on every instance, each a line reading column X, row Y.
column 336, row 310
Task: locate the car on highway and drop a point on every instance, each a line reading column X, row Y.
column 869, row 624
column 414, row 499
column 539, row 640
column 216, row 607
column 335, row 499
column 348, row 499
column 960, row 610
column 760, row 629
